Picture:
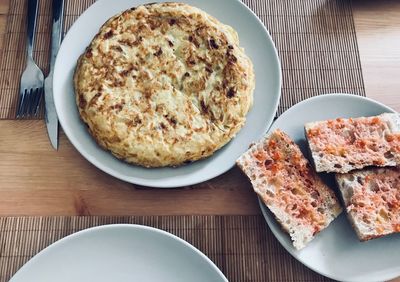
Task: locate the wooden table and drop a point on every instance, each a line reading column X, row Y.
column 33, row 179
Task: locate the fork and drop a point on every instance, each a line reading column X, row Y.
column 31, row 85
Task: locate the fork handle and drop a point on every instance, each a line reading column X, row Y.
column 32, row 14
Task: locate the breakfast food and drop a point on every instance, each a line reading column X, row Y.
column 285, row 181
column 164, row 84
column 342, row 145
column 372, row 201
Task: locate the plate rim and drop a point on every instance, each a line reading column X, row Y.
column 156, row 183
column 269, row 218
column 127, row 226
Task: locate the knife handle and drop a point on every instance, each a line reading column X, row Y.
column 56, row 34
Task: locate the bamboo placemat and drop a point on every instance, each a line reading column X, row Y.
column 315, row 39
column 243, row 247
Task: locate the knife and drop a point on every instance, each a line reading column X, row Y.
column 50, row 110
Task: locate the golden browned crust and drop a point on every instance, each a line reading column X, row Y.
column 164, row 84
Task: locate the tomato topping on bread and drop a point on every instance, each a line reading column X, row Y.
column 372, row 201
column 285, row 181
column 341, row 145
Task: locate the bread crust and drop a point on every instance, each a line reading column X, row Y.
column 164, row 84
column 342, row 145
column 289, row 187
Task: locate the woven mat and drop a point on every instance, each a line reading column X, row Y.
column 315, row 39
column 243, row 247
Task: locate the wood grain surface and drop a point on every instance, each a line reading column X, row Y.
column 42, row 181
column 378, row 34
column 34, row 180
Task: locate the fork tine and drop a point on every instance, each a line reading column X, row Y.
column 36, row 103
column 41, row 96
column 21, row 100
column 32, row 99
column 28, row 102
column 25, row 103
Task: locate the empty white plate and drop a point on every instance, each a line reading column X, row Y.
column 253, row 37
column 120, row 253
column 336, row 252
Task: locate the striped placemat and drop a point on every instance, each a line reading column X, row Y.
column 315, row 39
column 243, row 247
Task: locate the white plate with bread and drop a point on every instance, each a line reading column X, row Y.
column 344, row 132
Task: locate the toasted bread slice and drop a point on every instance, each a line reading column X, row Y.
column 342, row 145
column 372, row 200
column 289, row 187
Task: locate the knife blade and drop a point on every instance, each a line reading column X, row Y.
column 50, row 110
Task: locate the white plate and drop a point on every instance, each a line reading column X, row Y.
column 253, row 37
column 118, row 253
column 336, row 252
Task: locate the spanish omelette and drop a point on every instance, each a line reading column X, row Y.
column 164, row 84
